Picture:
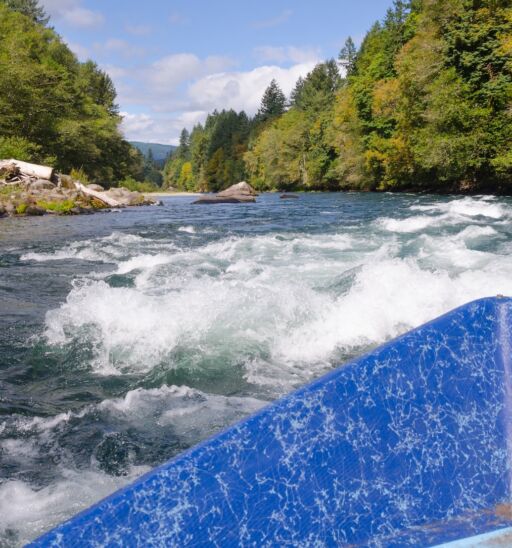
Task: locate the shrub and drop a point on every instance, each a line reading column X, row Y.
column 21, row 208
column 79, row 175
column 131, row 184
column 63, row 207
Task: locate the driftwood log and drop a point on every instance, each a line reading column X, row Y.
column 30, row 170
column 111, row 202
column 36, row 177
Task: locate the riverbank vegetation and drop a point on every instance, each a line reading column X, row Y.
column 425, row 103
column 54, row 109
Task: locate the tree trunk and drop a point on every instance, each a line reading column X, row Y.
column 98, row 195
column 32, row 170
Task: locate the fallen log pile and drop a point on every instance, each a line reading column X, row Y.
column 32, row 189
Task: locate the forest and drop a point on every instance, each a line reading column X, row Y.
column 424, row 104
column 54, row 109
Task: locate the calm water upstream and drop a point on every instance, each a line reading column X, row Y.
column 127, row 337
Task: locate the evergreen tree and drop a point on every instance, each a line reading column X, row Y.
column 296, row 92
column 183, row 150
column 347, row 56
column 273, row 103
column 30, row 8
column 98, row 85
column 319, row 87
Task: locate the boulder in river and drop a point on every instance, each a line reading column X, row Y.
column 289, row 197
column 235, row 194
column 240, row 189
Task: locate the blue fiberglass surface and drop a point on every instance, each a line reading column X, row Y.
column 406, row 446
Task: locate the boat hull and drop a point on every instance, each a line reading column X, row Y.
column 408, row 445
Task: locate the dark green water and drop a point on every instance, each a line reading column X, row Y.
column 127, row 337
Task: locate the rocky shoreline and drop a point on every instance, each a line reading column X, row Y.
column 32, row 190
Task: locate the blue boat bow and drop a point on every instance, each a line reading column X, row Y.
column 409, row 445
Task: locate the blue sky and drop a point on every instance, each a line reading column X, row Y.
column 174, row 61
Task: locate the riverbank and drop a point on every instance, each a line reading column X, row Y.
column 35, row 190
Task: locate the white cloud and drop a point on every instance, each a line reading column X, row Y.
column 147, row 128
column 115, row 72
column 72, row 12
column 168, row 107
column 169, row 72
column 243, row 90
column 273, row 21
column 272, row 54
column 176, row 18
column 118, row 46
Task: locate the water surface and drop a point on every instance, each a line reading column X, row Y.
column 127, row 337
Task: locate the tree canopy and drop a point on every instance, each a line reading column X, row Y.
column 54, row 108
column 425, row 103
column 30, row 8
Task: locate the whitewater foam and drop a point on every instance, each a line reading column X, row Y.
column 235, row 320
column 27, row 510
column 283, row 304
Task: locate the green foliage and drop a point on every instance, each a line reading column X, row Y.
column 9, row 190
column 63, row 207
column 211, row 157
column 131, row 184
column 294, row 151
column 80, row 175
column 426, row 103
column 347, row 56
column 22, row 149
column 273, row 103
column 21, row 208
column 55, row 107
column 30, row 8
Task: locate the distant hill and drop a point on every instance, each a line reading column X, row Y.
column 160, row 152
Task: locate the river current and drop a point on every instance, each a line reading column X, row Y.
column 127, row 337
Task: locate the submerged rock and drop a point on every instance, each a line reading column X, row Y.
column 225, row 200
column 289, row 197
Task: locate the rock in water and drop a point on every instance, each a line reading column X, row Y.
column 289, row 197
column 225, row 200
column 240, row 189
column 235, row 194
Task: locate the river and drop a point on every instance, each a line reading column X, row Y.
column 127, row 337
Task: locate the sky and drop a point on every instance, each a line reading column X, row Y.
column 173, row 61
